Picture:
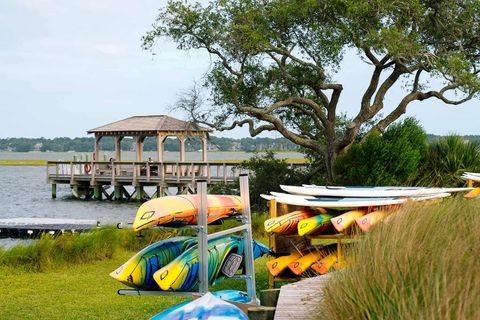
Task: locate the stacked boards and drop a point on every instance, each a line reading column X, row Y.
column 333, row 212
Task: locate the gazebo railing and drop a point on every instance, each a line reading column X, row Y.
column 124, row 172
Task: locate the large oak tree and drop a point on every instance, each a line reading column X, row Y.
column 273, row 62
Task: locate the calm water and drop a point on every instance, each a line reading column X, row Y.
column 24, row 192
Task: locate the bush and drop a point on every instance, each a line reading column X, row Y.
column 420, row 264
column 388, row 159
column 65, row 249
column 268, row 174
column 446, row 159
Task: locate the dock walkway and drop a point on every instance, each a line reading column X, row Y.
column 301, row 299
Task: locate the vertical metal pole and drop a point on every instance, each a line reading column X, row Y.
column 247, row 238
column 202, row 236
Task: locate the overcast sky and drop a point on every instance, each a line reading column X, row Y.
column 72, row 65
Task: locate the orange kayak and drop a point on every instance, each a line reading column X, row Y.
column 184, row 209
column 287, row 224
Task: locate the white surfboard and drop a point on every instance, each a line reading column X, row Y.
column 367, row 192
column 472, row 173
column 311, row 201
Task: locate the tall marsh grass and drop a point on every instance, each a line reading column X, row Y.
column 422, row 263
column 53, row 251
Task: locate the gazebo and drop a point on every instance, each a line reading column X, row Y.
column 160, row 126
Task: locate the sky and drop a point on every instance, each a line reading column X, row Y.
column 67, row 66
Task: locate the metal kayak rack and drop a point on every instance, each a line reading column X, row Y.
column 204, row 237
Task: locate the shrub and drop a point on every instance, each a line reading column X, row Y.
column 420, row 264
column 446, row 159
column 268, row 174
column 388, row 159
column 95, row 245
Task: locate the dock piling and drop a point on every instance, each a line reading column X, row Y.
column 54, row 190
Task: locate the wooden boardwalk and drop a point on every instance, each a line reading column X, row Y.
column 90, row 179
column 300, row 300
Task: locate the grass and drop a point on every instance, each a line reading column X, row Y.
column 86, row 291
column 22, row 162
column 422, row 263
column 67, row 277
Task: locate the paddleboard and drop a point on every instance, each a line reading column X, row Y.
column 287, row 223
column 183, row 209
column 324, row 202
column 138, row 271
column 181, row 274
column 314, row 225
column 368, row 192
column 276, row 266
column 344, row 221
column 471, row 177
column 298, row 267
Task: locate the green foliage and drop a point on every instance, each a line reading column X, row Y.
column 66, row 249
column 388, row 159
column 446, row 159
column 150, row 144
column 421, row 263
column 270, row 173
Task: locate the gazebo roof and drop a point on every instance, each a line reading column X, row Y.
column 149, row 125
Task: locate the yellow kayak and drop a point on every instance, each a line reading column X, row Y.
column 302, row 264
column 276, row 266
column 473, row 193
column 287, row 224
column 368, row 220
column 343, row 221
column 325, row 264
column 316, row 224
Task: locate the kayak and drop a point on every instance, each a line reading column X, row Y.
column 344, row 221
column 184, row 209
column 368, row 220
column 181, row 274
column 325, row 264
column 315, row 225
column 138, row 271
column 228, row 295
column 301, row 265
column 206, row 307
column 287, row 223
column 276, row 266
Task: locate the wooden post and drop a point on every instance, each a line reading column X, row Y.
column 182, row 140
column 160, row 144
column 117, row 192
column 138, row 193
column 118, row 148
column 97, row 147
column 54, row 190
column 204, row 149
column 261, row 313
column 97, row 192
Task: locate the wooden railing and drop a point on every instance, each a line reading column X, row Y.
column 144, row 172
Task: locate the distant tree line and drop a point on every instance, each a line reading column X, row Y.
column 85, row 144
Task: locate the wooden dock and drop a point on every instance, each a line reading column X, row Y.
column 33, row 227
column 300, row 300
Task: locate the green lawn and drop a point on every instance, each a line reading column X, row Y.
column 86, row 291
